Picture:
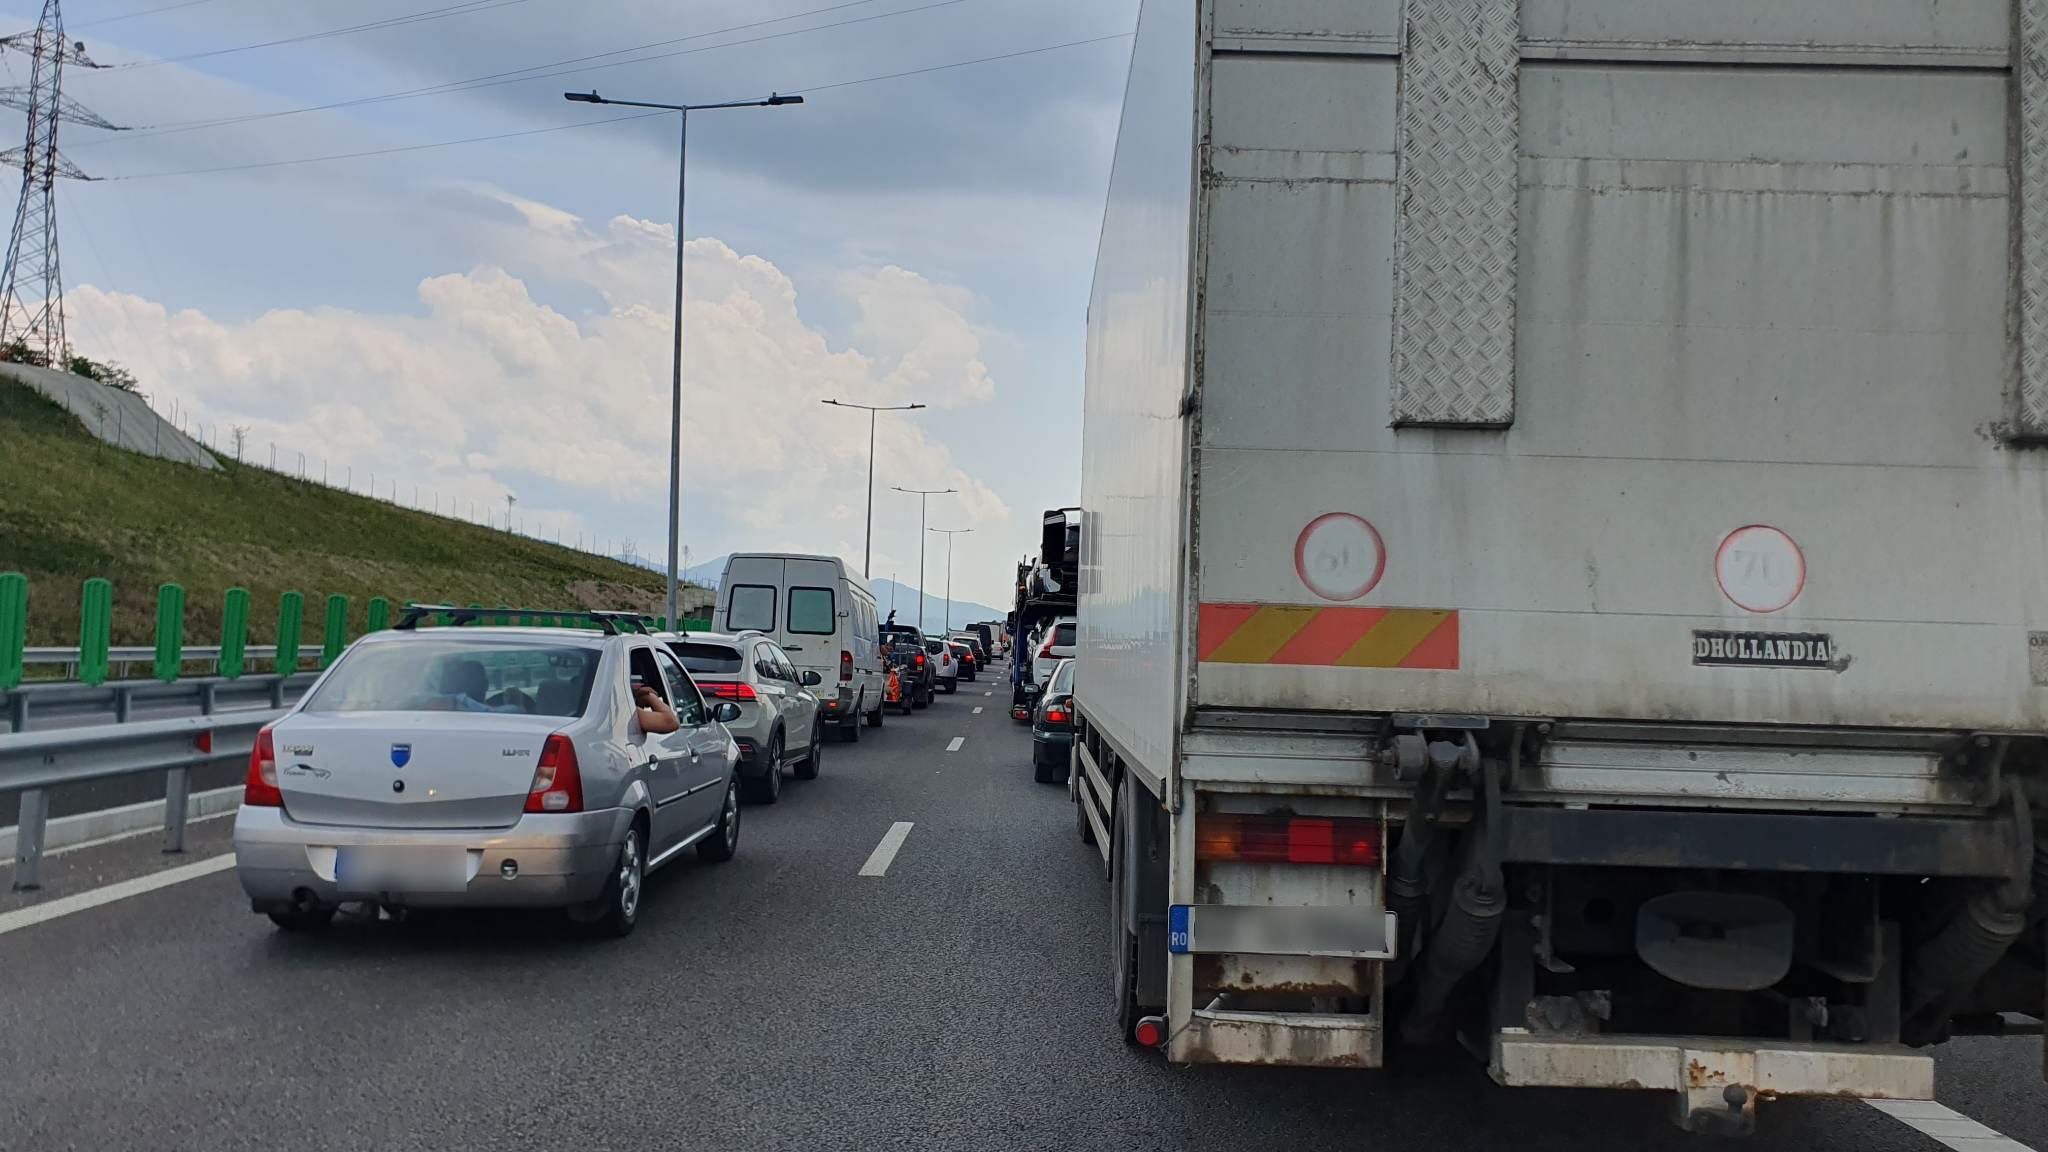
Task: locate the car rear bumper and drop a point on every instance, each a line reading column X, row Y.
column 561, row 859
column 1051, row 747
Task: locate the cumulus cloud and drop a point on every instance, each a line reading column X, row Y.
column 488, row 388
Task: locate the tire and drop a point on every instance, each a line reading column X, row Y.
column 620, row 903
column 808, row 769
column 951, row 688
column 767, row 789
column 850, row 731
column 875, row 717
column 303, row 919
column 719, row 847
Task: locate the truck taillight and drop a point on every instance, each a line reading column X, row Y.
column 557, row 781
column 1287, row 839
column 920, row 659
column 260, row 789
column 845, row 666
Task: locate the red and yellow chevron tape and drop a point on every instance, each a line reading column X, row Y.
column 1347, row 637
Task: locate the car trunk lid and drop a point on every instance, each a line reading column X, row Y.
column 409, row 770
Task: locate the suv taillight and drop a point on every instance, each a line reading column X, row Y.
column 1045, row 653
column 260, row 789
column 557, row 782
column 845, row 666
column 727, row 691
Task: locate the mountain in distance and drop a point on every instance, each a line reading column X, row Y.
column 887, row 591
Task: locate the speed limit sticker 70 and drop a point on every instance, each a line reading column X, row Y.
column 1340, row 556
column 1759, row 568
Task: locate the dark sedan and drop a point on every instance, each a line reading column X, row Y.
column 1052, row 727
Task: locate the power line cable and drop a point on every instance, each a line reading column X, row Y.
column 598, row 123
column 134, row 15
column 552, row 68
column 466, row 7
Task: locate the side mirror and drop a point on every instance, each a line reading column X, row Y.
column 812, row 679
column 725, row 712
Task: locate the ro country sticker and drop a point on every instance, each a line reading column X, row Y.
column 1329, row 637
column 1763, row 649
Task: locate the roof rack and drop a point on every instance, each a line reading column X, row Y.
column 609, row 623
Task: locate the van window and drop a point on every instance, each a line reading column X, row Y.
column 812, row 612
column 751, row 606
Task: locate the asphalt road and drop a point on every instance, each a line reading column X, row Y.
column 959, row 1001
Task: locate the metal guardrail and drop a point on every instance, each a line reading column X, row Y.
column 31, row 762
column 118, row 700
column 125, row 656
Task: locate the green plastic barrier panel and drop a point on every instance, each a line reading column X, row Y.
column 170, row 631
column 291, row 609
column 13, row 627
column 334, row 636
column 234, row 633
column 380, row 614
column 95, row 627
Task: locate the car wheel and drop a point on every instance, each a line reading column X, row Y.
column 850, row 731
column 722, row 843
column 875, row 718
column 621, row 899
column 768, row 788
column 808, row 770
column 303, row 919
column 952, row 687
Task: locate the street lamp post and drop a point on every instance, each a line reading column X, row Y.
column 949, row 533
column 868, row 549
column 675, row 428
column 922, row 494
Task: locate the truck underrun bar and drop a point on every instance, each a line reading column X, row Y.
column 1759, row 841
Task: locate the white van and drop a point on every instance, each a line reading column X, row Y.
column 823, row 616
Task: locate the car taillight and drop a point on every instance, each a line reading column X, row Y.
column 1287, row 839
column 845, row 666
column 1057, row 715
column 729, row 691
column 260, row 789
column 557, row 782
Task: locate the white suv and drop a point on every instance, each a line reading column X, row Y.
column 1055, row 644
column 778, row 726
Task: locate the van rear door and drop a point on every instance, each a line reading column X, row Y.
column 816, row 610
column 750, row 594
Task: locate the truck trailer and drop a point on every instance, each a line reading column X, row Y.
column 1564, row 541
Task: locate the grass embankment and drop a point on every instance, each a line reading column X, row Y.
column 73, row 507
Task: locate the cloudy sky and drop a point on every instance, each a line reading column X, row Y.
column 493, row 317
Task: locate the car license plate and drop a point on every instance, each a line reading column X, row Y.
column 388, row 868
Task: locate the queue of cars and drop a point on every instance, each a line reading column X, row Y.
column 480, row 765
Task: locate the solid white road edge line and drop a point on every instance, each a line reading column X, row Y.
column 879, row 859
column 957, row 742
column 64, row 906
column 1947, row 1125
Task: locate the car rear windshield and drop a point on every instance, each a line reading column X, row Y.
column 1062, row 679
column 751, row 606
column 811, row 612
column 1063, row 636
column 707, row 659
column 435, row 675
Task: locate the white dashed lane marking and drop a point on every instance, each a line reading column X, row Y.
column 957, row 742
column 1945, row 1124
column 977, row 709
column 879, row 859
